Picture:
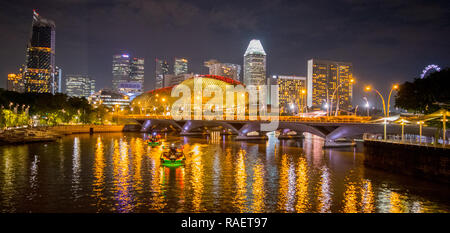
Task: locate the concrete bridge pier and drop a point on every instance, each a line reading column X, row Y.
column 286, row 134
column 334, row 143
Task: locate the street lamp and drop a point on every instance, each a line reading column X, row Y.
column 302, row 95
column 337, row 101
column 402, row 122
column 369, row 88
column 367, row 105
column 420, row 131
column 394, row 87
column 325, row 106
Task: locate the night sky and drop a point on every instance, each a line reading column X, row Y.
column 387, row 40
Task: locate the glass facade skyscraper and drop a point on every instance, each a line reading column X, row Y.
column 120, row 69
column 228, row 70
column 180, row 66
column 328, row 77
column 128, row 73
column 137, row 72
column 255, row 64
column 79, row 85
column 161, row 70
column 39, row 72
column 292, row 92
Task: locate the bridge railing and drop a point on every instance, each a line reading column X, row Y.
column 408, row 140
column 324, row 119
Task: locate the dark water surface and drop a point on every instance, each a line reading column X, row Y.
column 120, row 173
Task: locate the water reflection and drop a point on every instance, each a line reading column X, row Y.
column 76, row 168
column 324, row 193
column 99, row 175
column 302, row 186
column 121, row 173
column 240, row 181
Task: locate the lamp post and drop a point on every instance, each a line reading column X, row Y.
column 369, row 88
column 420, row 131
column 402, row 122
column 367, row 105
column 337, row 101
column 444, row 120
column 302, row 95
column 394, row 87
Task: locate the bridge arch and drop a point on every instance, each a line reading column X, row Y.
column 189, row 126
column 153, row 123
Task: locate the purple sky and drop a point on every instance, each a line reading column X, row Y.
column 386, row 40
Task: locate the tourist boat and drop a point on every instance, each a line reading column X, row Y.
column 173, row 156
column 340, row 142
column 154, row 140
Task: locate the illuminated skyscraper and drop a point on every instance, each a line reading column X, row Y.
column 128, row 74
column 255, row 64
column 79, row 85
column 328, row 77
column 39, row 72
column 180, row 66
column 228, row 70
column 137, row 72
column 161, row 70
column 58, row 80
column 292, row 92
column 120, row 69
column 172, row 79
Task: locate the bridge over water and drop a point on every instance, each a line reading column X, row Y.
column 329, row 128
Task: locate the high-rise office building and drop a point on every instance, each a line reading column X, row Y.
column 228, row 70
column 120, row 69
column 180, row 66
column 255, row 64
column 58, row 80
column 161, row 70
column 128, row 74
column 173, row 79
column 79, row 85
column 327, row 77
column 137, row 72
column 110, row 99
column 292, row 92
column 39, row 71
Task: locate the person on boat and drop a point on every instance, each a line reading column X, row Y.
column 173, row 149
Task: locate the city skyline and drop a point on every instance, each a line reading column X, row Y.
column 184, row 108
column 376, row 59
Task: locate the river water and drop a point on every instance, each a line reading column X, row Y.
column 119, row 172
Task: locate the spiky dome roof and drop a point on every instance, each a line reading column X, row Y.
column 154, row 97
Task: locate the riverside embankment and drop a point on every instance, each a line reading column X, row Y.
column 46, row 134
column 424, row 161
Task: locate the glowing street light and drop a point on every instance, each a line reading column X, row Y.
column 337, row 101
column 367, row 105
column 369, row 88
column 403, row 122
column 420, row 130
column 394, row 87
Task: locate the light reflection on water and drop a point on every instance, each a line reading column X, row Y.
column 121, row 173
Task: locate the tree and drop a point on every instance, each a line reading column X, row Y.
column 425, row 95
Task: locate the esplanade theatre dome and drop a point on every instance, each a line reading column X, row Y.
column 159, row 100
